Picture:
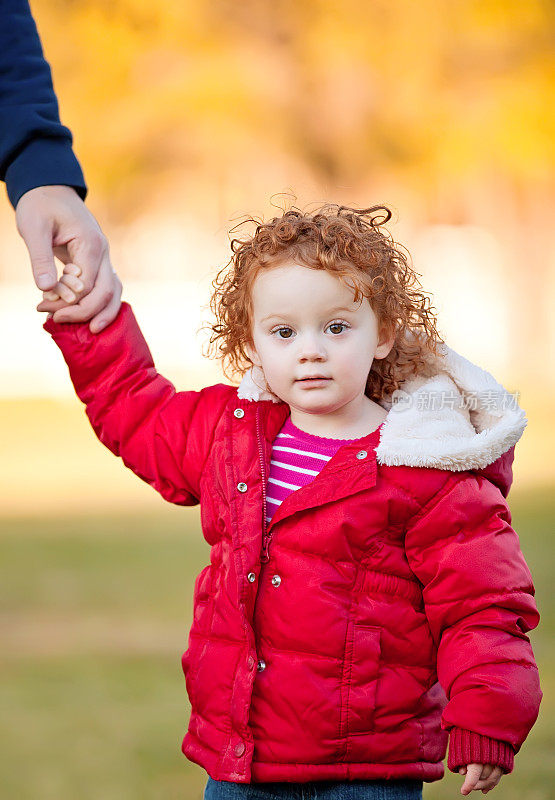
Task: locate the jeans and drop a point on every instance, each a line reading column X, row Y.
column 406, row 789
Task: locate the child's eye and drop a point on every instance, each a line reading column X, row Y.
column 337, row 325
column 278, row 330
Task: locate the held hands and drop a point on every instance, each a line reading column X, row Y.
column 54, row 221
column 480, row 776
column 70, row 286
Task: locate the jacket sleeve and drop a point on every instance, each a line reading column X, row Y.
column 162, row 435
column 478, row 595
column 35, row 148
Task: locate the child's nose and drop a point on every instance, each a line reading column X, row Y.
column 311, row 347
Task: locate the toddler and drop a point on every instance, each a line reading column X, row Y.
column 366, row 601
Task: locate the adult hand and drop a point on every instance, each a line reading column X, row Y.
column 54, row 221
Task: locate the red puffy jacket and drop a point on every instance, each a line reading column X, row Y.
column 386, row 606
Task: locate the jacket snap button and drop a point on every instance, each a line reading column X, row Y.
column 239, row 749
column 239, row 413
column 250, row 662
column 362, row 454
column 276, row 580
column 242, row 486
column 251, row 577
column 261, row 665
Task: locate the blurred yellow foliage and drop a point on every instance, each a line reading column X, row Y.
column 427, row 91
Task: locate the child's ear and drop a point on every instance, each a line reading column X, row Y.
column 252, row 354
column 386, row 342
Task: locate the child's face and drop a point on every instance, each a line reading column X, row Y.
column 306, row 323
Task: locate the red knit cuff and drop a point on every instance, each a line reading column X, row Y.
column 467, row 747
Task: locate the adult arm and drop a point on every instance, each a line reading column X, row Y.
column 35, row 148
column 44, row 180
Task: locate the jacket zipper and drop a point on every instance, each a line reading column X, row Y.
column 265, row 555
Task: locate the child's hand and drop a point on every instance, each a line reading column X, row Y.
column 480, row 776
column 69, row 286
column 69, row 292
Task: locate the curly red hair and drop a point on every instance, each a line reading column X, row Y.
column 351, row 244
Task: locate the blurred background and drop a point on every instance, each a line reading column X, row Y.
column 187, row 118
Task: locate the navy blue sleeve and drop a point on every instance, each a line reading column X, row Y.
column 35, row 148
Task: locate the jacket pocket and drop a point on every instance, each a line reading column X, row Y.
column 202, row 594
column 202, row 597
column 364, row 662
column 203, row 585
column 187, row 664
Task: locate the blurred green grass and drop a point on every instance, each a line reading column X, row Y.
column 95, row 616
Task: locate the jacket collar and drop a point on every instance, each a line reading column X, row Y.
column 458, row 419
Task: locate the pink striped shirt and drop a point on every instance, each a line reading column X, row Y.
column 297, row 457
